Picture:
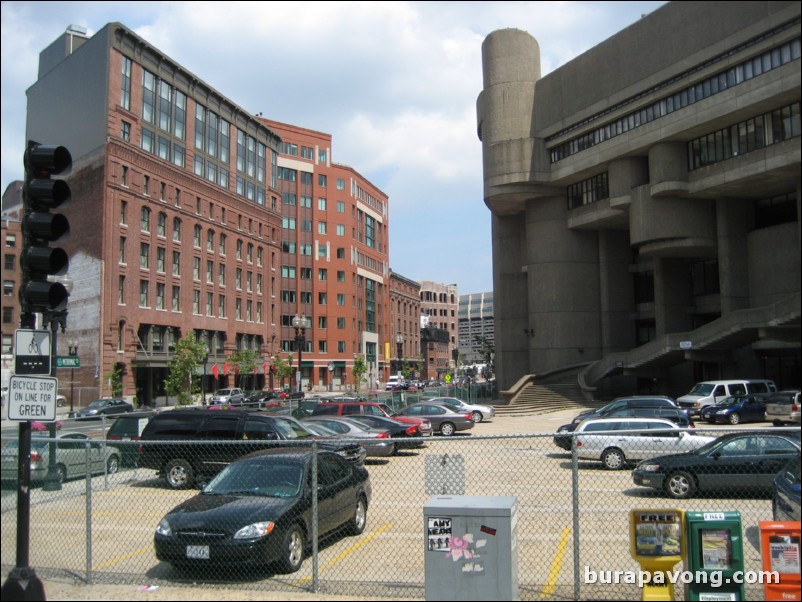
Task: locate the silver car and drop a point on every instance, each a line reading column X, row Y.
column 782, row 407
column 71, row 457
column 478, row 412
column 376, row 441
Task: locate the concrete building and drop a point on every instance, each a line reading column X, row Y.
column 439, row 304
column 645, row 201
column 178, row 223
column 476, row 323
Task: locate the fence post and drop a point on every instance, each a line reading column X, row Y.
column 314, row 519
column 575, row 514
column 88, row 510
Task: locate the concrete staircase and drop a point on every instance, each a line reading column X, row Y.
column 544, row 397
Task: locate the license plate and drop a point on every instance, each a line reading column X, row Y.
column 198, row 552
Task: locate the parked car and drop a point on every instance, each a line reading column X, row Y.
column 368, row 408
column 782, row 407
column 734, row 410
column 615, row 442
column 227, row 397
column 620, row 403
column 478, row 412
column 376, row 441
column 676, row 415
column 181, row 463
column 443, row 419
column 394, row 383
column 733, row 463
column 709, row 393
column 401, row 432
column 258, row 512
column 128, row 428
column 785, row 500
column 71, row 459
column 61, row 401
column 104, row 407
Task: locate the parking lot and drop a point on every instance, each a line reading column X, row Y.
column 559, row 527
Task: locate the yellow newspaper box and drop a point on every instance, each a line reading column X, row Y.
column 657, row 543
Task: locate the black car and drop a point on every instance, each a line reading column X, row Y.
column 172, row 442
column 785, row 500
column 622, row 403
column 731, row 464
column 398, row 430
column 258, row 511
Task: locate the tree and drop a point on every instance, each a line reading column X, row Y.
column 488, row 352
column 245, row 362
column 358, row 372
column 188, row 355
column 115, row 380
column 283, row 367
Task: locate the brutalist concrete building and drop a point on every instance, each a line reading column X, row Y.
column 645, row 202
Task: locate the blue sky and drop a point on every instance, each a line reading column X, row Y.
column 394, row 83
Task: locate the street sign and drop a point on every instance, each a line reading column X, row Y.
column 32, row 398
column 32, row 351
column 68, row 361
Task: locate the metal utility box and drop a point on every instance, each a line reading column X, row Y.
column 779, row 549
column 715, row 549
column 471, row 547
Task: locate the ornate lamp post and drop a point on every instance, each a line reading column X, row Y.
column 73, row 352
column 300, row 323
column 399, row 350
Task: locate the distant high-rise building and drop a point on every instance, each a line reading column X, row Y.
column 476, row 325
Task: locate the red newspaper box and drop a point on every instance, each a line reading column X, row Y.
column 779, row 548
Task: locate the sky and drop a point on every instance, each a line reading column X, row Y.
column 394, row 83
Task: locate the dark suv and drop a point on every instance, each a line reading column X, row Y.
column 178, row 443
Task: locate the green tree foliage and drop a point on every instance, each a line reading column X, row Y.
column 284, row 368
column 245, row 362
column 115, row 380
column 358, row 372
column 182, row 381
column 488, row 353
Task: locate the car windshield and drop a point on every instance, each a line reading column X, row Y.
column 701, row 389
column 97, row 403
column 731, row 401
column 291, row 429
column 258, row 477
column 365, row 426
column 224, row 392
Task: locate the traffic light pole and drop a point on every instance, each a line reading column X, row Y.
column 52, row 482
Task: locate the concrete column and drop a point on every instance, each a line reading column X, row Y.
column 563, row 287
column 616, row 296
column 671, row 296
column 734, row 220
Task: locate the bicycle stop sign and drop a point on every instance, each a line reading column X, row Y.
column 32, row 398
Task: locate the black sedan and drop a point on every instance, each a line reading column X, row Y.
column 258, row 511
column 400, row 432
column 104, row 407
column 733, row 463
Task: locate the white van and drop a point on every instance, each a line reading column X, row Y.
column 394, row 382
column 711, row 392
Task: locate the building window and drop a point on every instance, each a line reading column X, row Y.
column 340, row 184
column 176, row 229
column 196, row 236
column 125, row 131
column 144, row 220
column 143, row 293
column 8, row 288
column 122, row 250
column 196, row 302
column 8, row 315
column 125, row 88
column 176, row 263
column 196, row 268
column 176, row 298
column 161, row 253
column 124, row 176
column 10, row 262
column 159, row 295
column 144, row 255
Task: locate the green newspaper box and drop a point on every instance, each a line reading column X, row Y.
column 715, row 554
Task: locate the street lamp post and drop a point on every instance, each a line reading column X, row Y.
column 203, row 381
column 300, row 323
column 399, row 347
column 73, row 352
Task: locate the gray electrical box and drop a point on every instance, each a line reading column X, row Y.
column 471, row 547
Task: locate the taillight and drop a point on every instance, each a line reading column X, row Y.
column 35, row 458
column 113, row 438
column 578, row 443
column 381, row 436
column 411, row 430
column 794, row 407
column 469, row 416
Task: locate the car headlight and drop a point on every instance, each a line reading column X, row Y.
column 722, row 412
column 255, row 530
column 649, row 467
column 163, row 528
column 91, row 412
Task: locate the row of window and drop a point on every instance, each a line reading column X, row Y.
column 744, row 137
column 720, row 82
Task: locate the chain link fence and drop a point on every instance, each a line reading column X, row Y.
column 573, row 505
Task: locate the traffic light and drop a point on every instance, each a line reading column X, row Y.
column 40, row 292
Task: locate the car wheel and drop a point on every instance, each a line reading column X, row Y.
column 357, row 523
column 477, row 417
column 680, row 485
column 179, row 474
column 61, row 473
column 613, row 459
column 777, row 423
column 447, row 429
column 293, row 549
column 112, row 464
column 735, row 418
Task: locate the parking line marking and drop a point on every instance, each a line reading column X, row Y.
column 123, row 557
column 347, row 551
column 556, row 565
